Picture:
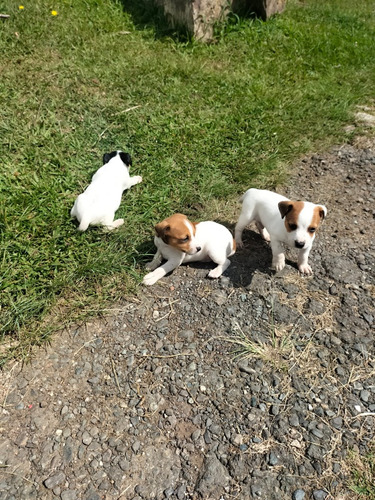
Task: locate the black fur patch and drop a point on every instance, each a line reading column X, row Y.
column 108, row 156
column 126, row 158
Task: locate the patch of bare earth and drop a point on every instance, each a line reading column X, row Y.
column 254, row 385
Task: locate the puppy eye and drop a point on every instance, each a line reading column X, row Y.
column 312, row 229
column 185, row 240
column 293, row 227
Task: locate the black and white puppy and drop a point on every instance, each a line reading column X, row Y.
column 97, row 205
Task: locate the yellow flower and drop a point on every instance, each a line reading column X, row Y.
column 21, row 7
column 54, row 12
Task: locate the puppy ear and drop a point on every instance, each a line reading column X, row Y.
column 322, row 212
column 126, row 158
column 106, row 158
column 161, row 229
column 285, row 207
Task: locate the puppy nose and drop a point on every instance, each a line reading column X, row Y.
column 199, row 249
column 299, row 244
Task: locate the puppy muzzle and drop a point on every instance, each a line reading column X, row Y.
column 299, row 244
column 194, row 250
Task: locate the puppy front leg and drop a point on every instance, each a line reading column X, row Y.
column 161, row 271
column 136, row 179
column 303, row 266
column 218, row 271
column 278, row 257
column 156, row 261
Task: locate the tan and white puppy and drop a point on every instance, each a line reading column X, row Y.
column 179, row 241
column 279, row 221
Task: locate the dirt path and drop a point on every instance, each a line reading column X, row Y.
column 151, row 403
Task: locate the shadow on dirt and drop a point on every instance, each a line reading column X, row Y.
column 256, row 255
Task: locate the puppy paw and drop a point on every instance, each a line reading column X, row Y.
column 137, row 179
column 116, row 223
column 265, row 235
column 239, row 243
column 149, row 279
column 215, row 273
column 278, row 265
column 305, row 269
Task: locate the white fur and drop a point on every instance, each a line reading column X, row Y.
column 97, row 205
column 214, row 242
column 262, row 207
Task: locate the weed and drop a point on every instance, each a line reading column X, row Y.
column 362, row 474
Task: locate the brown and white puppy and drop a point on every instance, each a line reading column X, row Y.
column 179, row 240
column 279, row 221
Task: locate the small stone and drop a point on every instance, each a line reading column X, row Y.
column 319, row 494
column 275, row 409
column 136, row 446
column 168, row 492
column 298, row 495
column 64, row 410
column 86, row 438
column 365, row 395
column 237, row 439
column 337, row 422
column 186, row 335
column 54, row 480
column 294, row 420
column 272, row 459
column 332, row 291
column 195, row 435
column 243, row 366
column 319, row 434
column 180, row 492
column 69, row 495
column 207, row 438
column 340, row 371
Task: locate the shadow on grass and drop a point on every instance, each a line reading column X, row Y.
column 146, row 14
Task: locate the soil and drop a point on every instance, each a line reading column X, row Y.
column 255, row 385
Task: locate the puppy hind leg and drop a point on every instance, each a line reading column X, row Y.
column 243, row 221
column 83, row 225
column 109, row 223
column 114, row 225
column 263, row 231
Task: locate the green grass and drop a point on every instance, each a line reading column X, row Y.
column 362, row 472
column 210, row 121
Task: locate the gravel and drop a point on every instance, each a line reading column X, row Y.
column 156, row 402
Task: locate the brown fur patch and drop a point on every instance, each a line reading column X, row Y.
column 318, row 216
column 292, row 214
column 173, row 231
